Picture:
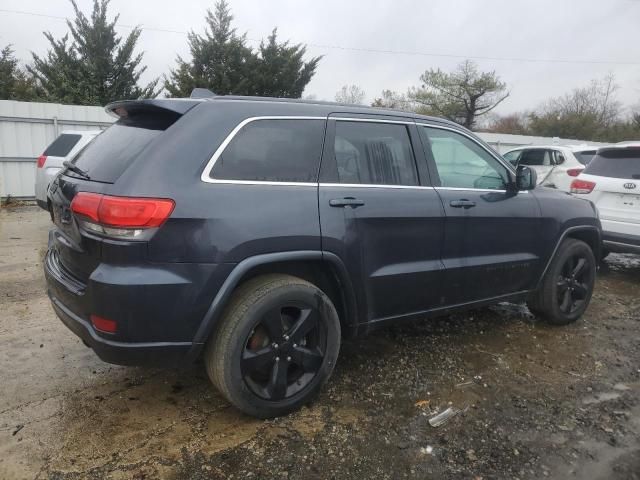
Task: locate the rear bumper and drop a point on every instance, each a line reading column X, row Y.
column 121, row 353
column 158, row 308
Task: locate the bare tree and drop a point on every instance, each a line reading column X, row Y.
column 514, row 123
column 462, row 95
column 598, row 100
column 587, row 113
column 350, row 95
column 391, row 99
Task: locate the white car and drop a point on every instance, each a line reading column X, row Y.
column 612, row 182
column 555, row 165
column 49, row 164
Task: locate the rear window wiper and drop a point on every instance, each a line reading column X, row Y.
column 76, row 169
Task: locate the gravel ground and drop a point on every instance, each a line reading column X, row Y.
column 535, row 401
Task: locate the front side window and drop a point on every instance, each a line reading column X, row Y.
column 462, row 163
column 273, row 151
column 374, row 154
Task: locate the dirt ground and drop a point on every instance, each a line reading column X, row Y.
column 536, row 401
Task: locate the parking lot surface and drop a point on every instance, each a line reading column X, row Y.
column 535, row 401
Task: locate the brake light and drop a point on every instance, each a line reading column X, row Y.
column 104, row 324
column 120, row 217
column 582, row 186
column 41, row 161
column 574, row 172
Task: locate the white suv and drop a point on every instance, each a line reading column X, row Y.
column 612, row 182
column 65, row 147
column 555, row 165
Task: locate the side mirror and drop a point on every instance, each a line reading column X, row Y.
column 526, row 178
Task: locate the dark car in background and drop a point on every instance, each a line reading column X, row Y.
column 259, row 232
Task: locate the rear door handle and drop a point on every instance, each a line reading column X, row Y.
column 346, row 202
column 463, row 203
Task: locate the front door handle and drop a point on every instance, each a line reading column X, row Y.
column 346, row 202
column 463, row 203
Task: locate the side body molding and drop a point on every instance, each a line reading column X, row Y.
column 211, row 318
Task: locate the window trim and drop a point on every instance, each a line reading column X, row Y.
column 206, row 173
column 510, row 169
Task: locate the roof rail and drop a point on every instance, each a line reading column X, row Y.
column 202, row 93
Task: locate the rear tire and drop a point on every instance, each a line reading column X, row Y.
column 276, row 346
column 567, row 286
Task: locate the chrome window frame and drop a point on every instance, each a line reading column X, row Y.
column 206, row 173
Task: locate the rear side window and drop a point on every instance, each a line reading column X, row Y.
column 109, row 154
column 585, row 157
column 62, row 145
column 286, row 150
column 374, row 153
column 536, row 158
column 616, row 163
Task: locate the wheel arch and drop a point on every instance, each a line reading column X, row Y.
column 325, row 270
column 589, row 234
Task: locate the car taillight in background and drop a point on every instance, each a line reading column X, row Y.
column 121, row 217
column 582, row 186
column 41, row 161
column 574, row 172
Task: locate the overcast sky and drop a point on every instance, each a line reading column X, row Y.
column 603, row 35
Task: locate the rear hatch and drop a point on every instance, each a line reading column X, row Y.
column 74, row 248
column 616, row 174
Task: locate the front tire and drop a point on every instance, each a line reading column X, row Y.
column 567, row 286
column 276, row 346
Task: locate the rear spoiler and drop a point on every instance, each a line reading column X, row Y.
column 129, row 108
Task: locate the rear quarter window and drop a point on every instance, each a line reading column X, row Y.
column 62, row 145
column 616, row 163
column 585, row 157
column 273, row 151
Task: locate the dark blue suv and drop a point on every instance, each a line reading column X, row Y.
column 258, row 232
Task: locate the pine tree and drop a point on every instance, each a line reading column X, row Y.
column 222, row 62
column 281, row 70
column 96, row 67
column 15, row 84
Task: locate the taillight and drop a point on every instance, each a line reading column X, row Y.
column 41, row 161
column 582, row 186
column 103, row 324
column 120, row 217
column 574, row 172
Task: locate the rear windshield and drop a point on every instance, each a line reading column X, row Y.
column 585, row 157
column 109, row 154
column 62, row 145
column 618, row 163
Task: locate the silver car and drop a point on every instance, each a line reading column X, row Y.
column 49, row 164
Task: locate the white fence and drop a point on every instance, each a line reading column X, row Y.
column 503, row 142
column 27, row 128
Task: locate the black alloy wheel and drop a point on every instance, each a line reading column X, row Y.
column 573, row 285
column 284, row 351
